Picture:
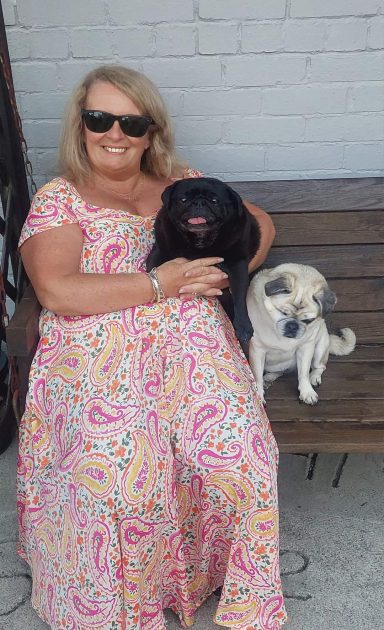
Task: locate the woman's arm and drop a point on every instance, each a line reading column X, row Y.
column 52, row 258
column 268, row 232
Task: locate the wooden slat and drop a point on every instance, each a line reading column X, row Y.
column 349, row 381
column 329, row 228
column 22, row 331
column 325, row 438
column 317, row 195
column 368, row 327
column 345, row 261
column 368, row 353
column 365, row 411
column 359, row 294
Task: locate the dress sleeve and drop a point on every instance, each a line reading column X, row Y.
column 190, row 172
column 51, row 207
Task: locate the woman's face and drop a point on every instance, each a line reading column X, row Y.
column 112, row 153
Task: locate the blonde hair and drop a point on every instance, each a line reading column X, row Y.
column 159, row 159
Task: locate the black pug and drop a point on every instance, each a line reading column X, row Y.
column 205, row 217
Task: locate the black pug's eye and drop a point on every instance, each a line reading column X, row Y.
column 214, row 200
column 183, row 200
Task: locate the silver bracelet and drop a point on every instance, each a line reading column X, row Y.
column 158, row 293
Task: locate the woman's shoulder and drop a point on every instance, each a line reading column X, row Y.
column 56, row 188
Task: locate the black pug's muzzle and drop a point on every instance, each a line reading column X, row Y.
column 203, row 217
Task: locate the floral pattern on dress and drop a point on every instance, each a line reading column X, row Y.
column 147, row 466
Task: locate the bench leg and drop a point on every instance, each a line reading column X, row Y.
column 339, row 470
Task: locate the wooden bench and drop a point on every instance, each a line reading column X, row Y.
column 338, row 227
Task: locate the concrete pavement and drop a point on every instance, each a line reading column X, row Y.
column 332, row 548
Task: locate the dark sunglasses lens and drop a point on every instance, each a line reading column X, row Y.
column 98, row 122
column 135, row 126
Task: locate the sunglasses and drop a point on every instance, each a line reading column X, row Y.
column 100, row 122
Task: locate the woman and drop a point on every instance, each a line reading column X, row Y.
column 147, row 470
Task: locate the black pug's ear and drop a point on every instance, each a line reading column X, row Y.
column 236, row 201
column 326, row 300
column 167, row 194
column 276, row 287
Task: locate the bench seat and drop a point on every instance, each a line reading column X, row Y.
column 336, row 226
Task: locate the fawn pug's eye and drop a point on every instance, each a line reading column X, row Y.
column 308, row 321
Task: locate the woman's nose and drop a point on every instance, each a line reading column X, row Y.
column 115, row 131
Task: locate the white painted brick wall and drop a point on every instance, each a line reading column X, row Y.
column 277, row 89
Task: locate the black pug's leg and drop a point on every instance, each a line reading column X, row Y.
column 238, row 282
column 154, row 258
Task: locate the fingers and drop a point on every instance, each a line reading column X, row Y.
column 195, row 268
column 199, row 288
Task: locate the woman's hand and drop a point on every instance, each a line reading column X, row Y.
column 187, row 278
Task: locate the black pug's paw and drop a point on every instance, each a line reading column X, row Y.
column 244, row 332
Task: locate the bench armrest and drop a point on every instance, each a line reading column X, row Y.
column 22, row 332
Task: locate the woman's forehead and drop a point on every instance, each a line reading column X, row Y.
column 107, row 97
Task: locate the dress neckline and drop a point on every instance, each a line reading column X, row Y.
column 92, row 205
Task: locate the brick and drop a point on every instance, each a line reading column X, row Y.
column 18, row 44
column 42, row 134
column 72, row 72
column 302, row 35
column 9, row 16
column 34, row 77
column 49, row 43
column 347, row 127
column 150, row 11
column 330, row 8
column 364, row 66
column 225, row 159
column 217, row 38
column 376, row 33
column 58, row 13
column 197, row 131
column 174, row 72
column 134, row 42
column 264, row 130
column 91, row 42
column 46, row 162
column 266, row 37
column 44, row 105
column 173, row 101
column 241, row 9
column 304, row 99
column 265, row 70
column 175, row 39
column 366, row 97
column 364, row 156
column 346, row 35
column 222, row 102
column 314, row 156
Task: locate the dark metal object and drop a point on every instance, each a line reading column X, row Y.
column 339, row 470
column 311, row 463
column 14, row 205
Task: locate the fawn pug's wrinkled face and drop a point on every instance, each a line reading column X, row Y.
column 295, row 297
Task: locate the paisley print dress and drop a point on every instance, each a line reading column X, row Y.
column 147, row 467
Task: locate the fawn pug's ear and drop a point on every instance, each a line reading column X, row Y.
column 279, row 286
column 326, row 299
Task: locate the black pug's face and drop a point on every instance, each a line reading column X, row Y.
column 198, row 205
